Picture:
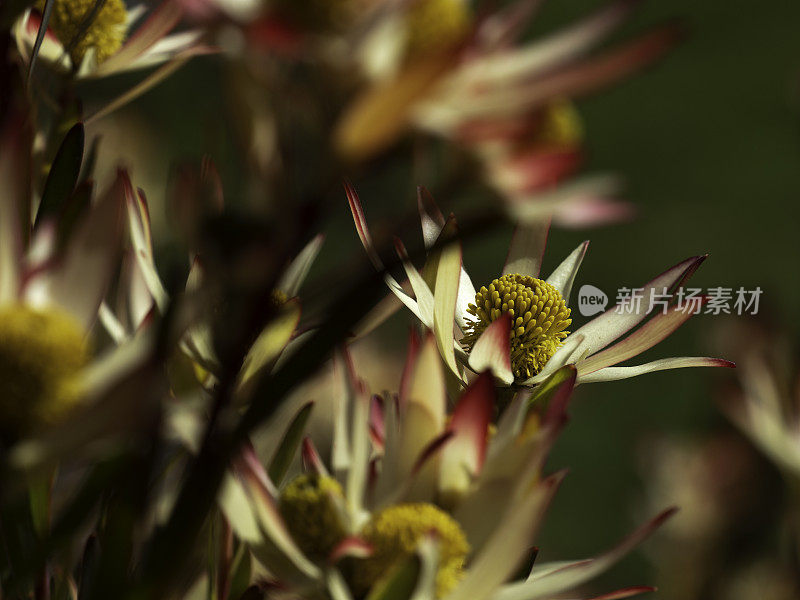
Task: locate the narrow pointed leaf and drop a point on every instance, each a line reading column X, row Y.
column 63, row 175
column 287, row 449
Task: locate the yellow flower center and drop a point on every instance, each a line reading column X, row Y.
column 309, row 508
column 41, row 352
column 79, row 27
column 278, row 298
column 560, row 126
column 435, row 24
column 394, row 534
column 539, row 318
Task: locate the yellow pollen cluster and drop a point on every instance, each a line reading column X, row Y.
column 41, row 352
column 308, row 506
column 539, row 318
column 394, row 534
column 277, row 298
column 435, row 24
column 560, row 126
column 79, row 27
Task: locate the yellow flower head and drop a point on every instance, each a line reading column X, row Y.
column 79, row 27
column 41, row 352
column 394, row 534
column 308, row 506
column 435, row 24
column 560, row 126
column 539, row 318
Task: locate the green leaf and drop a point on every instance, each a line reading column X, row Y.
column 63, row 176
column 46, row 12
column 284, row 455
column 400, row 583
column 241, row 572
column 543, row 393
column 40, row 487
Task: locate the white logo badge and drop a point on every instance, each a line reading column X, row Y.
column 591, row 300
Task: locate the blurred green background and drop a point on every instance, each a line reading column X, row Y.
column 708, row 144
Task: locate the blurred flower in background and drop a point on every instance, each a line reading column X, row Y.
column 446, row 69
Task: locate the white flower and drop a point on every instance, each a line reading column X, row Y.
column 453, row 299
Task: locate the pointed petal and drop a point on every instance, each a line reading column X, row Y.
column 312, row 462
column 492, row 350
column 357, row 210
column 557, row 49
column 648, row 335
column 422, row 419
column 160, row 22
column 79, row 282
column 610, row 325
column 617, row 373
column 463, row 456
column 287, row 448
column 271, row 341
column 504, row 26
column 527, row 249
column 149, row 82
column 627, row 592
column 296, row 273
column 424, row 296
column 251, row 509
column 426, row 383
column 447, row 262
column 431, row 218
column 500, row 556
column 538, row 205
column 564, row 275
column 381, row 114
column 142, row 239
column 353, row 547
column 554, row 582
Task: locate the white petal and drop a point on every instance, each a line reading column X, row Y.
column 564, row 275
column 527, row 249
column 296, row 272
column 491, row 351
column 616, row 373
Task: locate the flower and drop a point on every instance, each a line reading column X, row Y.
column 103, row 46
column 104, row 33
column 536, row 333
column 53, row 278
column 41, row 353
column 516, row 325
column 506, row 102
column 447, row 69
column 445, row 502
column 766, row 408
